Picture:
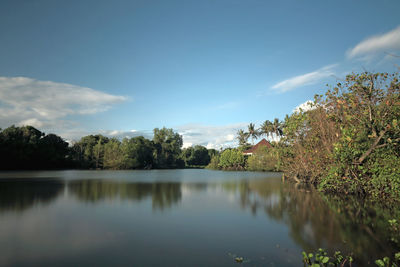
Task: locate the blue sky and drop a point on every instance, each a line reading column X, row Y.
column 204, row 68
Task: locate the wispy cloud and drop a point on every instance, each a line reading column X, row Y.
column 75, row 134
column 45, row 104
column 378, row 43
column 304, row 79
column 216, row 137
column 128, row 134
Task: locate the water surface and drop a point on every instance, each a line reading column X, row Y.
column 176, row 218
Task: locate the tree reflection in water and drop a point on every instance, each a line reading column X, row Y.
column 314, row 220
column 317, row 221
column 19, row 194
column 163, row 195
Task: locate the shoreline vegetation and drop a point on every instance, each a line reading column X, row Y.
column 345, row 142
column 27, row 148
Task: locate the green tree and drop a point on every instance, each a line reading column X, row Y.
column 277, row 128
column 167, row 148
column 53, row 151
column 113, row 155
column 272, row 129
column 138, row 153
column 366, row 107
column 196, row 156
column 89, row 151
column 252, row 131
column 350, row 141
column 242, row 138
column 212, row 152
column 264, row 159
column 232, row 159
column 28, row 148
column 266, row 128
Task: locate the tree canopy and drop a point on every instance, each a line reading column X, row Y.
column 28, row 148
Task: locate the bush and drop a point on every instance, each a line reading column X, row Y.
column 350, row 141
column 264, row 159
column 214, row 163
column 232, row 159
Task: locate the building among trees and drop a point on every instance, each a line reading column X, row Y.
column 262, row 143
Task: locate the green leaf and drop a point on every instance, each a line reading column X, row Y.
column 380, row 263
column 325, row 260
column 397, row 256
column 386, row 260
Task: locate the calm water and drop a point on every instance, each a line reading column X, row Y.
column 177, row 218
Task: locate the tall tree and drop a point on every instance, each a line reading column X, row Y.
column 252, row 131
column 242, row 137
column 197, row 155
column 276, row 128
column 113, row 155
column 167, row 148
column 28, row 148
column 138, row 153
column 90, row 151
column 266, row 128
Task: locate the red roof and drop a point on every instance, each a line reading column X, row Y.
column 262, row 143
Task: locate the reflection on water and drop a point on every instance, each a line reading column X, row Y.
column 162, row 194
column 251, row 216
column 315, row 221
column 18, row 194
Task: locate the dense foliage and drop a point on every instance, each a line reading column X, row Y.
column 97, row 151
column 350, row 141
column 232, row 159
column 264, row 159
column 347, row 141
column 167, row 148
column 229, row 159
column 28, row 148
column 197, row 156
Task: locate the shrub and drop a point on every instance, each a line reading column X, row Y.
column 264, row 159
column 231, row 159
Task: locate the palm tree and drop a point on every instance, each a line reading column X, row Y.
column 266, row 128
column 252, row 131
column 242, row 137
column 277, row 128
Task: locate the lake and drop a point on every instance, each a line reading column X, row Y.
column 188, row 217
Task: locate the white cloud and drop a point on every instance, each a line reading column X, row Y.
column 32, row 122
column 216, row 137
column 76, row 134
column 126, row 134
column 304, row 79
column 187, row 144
column 308, row 105
column 378, row 43
column 44, row 104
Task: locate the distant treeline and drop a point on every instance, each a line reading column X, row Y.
column 28, row 148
